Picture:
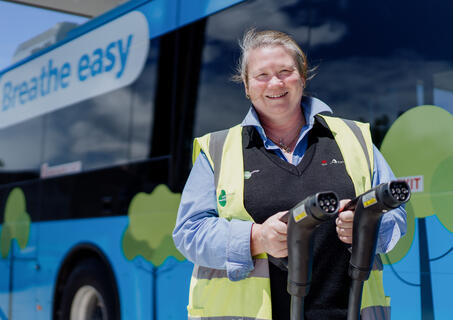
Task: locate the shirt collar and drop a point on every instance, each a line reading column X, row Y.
column 310, row 106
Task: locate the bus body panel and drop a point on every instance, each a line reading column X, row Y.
column 191, row 11
column 72, row 233
column 367, row 73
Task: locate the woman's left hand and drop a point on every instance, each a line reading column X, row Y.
column 344, row 223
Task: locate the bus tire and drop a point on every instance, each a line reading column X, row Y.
column 89, row 293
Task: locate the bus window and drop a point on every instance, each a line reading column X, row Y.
column 142, row 112
column 78, row 134
column 20, row 155
column 443, row 90
column 109, row 129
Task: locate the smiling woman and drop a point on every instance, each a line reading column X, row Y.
column 230, row 220
column 275, row 88
column 274, row 71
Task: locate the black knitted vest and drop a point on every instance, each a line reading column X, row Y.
column 276, row 185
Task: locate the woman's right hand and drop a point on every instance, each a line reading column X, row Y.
column 270, row 237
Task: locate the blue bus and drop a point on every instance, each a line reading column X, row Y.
column 96, row 135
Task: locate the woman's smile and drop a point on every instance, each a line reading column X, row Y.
column 277, row 96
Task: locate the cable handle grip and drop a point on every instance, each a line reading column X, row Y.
column 319, row 207
column 369, row 208
column 302, row 222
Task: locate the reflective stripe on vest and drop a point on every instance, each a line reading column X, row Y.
column 354, row 152
column 261, row 270
column 376, row 313
column 249, row 298
column 223, row 150
column 214, row 296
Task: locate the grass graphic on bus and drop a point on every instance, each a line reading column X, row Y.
column 16, row 224
column 151, row 221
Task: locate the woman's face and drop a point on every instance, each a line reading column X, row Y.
column 275, row 86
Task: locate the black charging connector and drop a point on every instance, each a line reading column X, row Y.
column 369, row 208
column 303, row 220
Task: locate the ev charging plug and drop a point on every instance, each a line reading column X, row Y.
column 369, row 208
column 302, row 221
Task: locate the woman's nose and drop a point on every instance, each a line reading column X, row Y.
column 275, row 81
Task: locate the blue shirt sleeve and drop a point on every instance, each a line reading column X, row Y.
column 202, row 236
column 393, row 223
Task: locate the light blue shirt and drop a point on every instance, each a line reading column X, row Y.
column 210, row 241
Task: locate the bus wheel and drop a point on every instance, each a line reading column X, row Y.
column 88, row 294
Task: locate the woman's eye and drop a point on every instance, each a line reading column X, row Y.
column 262, row 76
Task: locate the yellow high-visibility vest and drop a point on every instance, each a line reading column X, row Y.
column 212, row 294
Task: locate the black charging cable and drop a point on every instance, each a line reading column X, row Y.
column 303, row 220
column 369, row 208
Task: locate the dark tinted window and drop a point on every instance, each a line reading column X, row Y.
column 382, row 59
column 106, row 130
column 374, row 60
column 109, row 129
column 21, row 151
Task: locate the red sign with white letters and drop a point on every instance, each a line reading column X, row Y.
column 414, row 182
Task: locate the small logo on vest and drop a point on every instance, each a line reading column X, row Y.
column 222, row 198
column 333, row 161
column 248, row 174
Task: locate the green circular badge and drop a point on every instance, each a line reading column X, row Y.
column 222, row 198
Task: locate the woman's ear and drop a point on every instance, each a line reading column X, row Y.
column 246, row 89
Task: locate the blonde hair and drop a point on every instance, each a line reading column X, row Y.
column 269, row 38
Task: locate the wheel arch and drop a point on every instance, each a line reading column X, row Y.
column 76, row 255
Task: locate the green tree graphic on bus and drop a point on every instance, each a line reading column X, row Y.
column 413, row 148
column 16, row 224
column 151, row 221
column 420, row 143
